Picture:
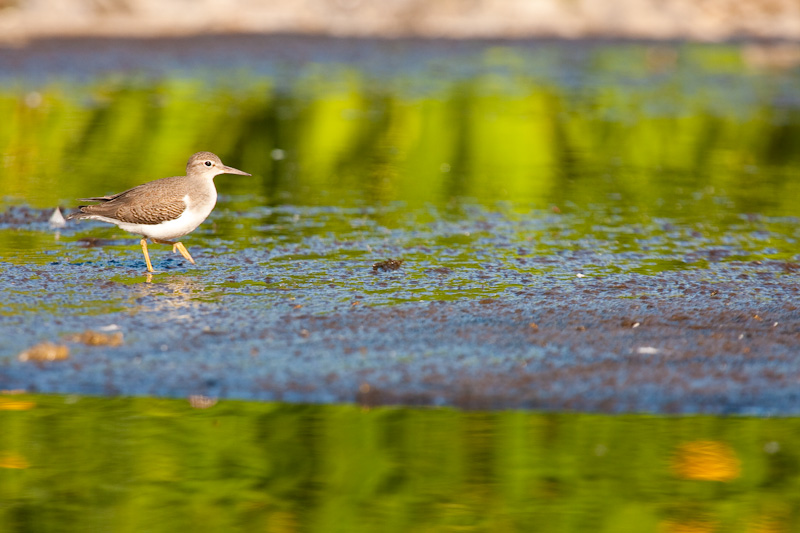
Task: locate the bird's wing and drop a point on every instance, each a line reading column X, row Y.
column 151, row 213
column 150, row 203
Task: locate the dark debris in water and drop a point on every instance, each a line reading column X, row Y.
column 91, row 242
column 387, row 265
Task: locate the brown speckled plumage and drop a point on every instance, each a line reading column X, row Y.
column 150, row 203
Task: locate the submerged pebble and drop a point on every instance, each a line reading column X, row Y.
column 45, row 351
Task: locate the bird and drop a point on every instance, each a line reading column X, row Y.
column 163, row 210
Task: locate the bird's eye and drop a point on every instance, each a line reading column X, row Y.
column 208, row 163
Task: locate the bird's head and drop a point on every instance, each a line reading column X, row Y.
column 209, row 165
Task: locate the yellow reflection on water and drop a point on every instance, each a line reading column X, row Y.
column 12, row 460
column 10, row 404
column 706, row 460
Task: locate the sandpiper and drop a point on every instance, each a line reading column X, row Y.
column 166, row 209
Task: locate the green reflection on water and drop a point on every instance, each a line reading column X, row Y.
column 514, row 130
column 72, row 464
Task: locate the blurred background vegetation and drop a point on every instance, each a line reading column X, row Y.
column 536, row 124
column 78, row 464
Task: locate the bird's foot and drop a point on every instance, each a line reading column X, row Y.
column 184, row 252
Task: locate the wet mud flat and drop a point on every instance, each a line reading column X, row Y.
column 673, row 343
column 290, row 323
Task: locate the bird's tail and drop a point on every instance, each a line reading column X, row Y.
column 83, row 210
column 79, row 214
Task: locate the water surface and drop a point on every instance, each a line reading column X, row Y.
column 71, row 463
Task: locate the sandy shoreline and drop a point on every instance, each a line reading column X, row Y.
column 701, row 20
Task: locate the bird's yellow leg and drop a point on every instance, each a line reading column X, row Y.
column 179, row 247
column 146, row 255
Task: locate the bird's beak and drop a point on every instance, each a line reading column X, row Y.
column 230, row 170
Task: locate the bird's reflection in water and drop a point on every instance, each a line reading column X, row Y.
column 174, row 295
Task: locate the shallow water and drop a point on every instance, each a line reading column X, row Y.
column 636, row 184
column 69, row 463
